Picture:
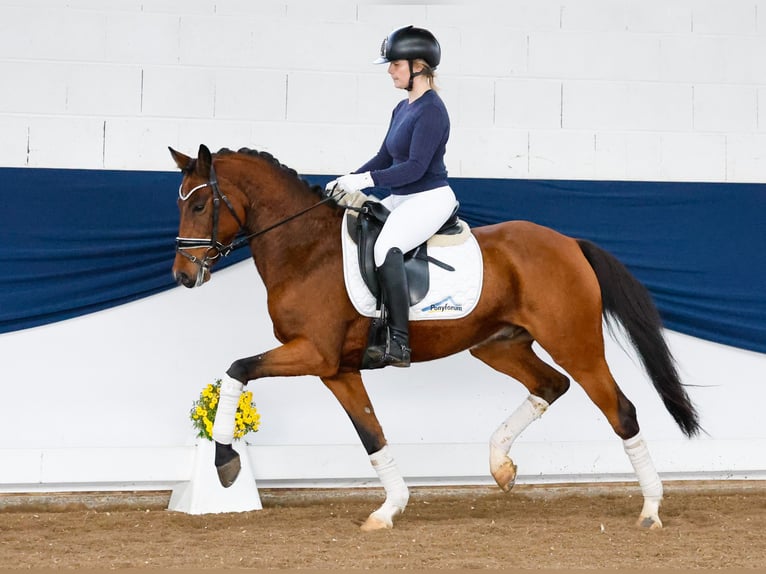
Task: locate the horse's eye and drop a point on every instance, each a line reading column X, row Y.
column 198, row 208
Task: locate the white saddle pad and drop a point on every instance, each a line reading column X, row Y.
column 452, row 294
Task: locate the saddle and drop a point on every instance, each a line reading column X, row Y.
column 365, row 226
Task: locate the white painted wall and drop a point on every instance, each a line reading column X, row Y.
column 600, row 89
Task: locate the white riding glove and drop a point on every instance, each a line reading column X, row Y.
column 355, row 182
column 330, row 187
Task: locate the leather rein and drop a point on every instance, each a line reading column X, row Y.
column 216, row 249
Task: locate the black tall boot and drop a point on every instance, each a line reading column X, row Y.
column 395, row 351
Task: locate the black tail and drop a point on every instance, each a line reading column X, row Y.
column 627, row 301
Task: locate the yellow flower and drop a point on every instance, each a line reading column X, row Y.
column 246, row 419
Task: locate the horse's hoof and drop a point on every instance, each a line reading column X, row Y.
column 375, row 523
column 649, row 522
column 228, row 473
column 505, row 475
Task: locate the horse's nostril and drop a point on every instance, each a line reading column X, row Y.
column 182, row 279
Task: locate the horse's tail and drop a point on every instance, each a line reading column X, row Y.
column 627, row 301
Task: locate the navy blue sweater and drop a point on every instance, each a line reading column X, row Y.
column 411, row 158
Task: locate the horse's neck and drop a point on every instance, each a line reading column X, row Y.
column 285, row 252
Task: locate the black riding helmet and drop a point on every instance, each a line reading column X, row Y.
column 410, row 43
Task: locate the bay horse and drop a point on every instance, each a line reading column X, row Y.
column 538, row 285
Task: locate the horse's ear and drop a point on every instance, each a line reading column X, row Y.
column 182, row 161
column 204, row 160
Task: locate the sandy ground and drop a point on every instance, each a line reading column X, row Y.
column 707, row 526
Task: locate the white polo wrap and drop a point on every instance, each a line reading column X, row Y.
column 638, row 453
column 527, row 412
column 223, row 425
column 397, row 494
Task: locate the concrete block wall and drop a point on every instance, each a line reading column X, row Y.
column 572, row 89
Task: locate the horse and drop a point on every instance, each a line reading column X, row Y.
column 538, row 286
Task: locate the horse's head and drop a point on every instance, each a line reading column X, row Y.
column 209, row 218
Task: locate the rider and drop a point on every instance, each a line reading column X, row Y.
column 410, row 162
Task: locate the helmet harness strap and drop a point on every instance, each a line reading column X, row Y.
column 412, row 75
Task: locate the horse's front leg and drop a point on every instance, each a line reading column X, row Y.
column 349, row 389
column 298, row 357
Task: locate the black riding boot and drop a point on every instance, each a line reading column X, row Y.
column 395, row 351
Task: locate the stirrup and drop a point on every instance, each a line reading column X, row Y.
column 381, row 356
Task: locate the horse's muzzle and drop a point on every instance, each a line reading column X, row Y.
column 184, row 279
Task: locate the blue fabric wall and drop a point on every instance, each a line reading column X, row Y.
column 77, row 241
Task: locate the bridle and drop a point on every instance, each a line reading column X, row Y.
column 216, row 249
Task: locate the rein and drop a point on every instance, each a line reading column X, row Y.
column 216, row 249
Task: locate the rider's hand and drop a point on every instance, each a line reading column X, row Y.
column 355, row 182
column 330, row 188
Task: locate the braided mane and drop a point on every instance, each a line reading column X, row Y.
column 317, row 189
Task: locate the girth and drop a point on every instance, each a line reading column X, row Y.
column 365, row 228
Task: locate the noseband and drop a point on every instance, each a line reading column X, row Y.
column 216, row 249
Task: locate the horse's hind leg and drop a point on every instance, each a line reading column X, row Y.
column 515, row 358
column 349, row 389
column 602, row 389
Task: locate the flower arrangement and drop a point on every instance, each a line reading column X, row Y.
column 203, row 412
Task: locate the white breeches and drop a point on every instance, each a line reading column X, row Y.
column 413, row 219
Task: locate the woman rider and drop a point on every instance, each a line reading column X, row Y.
column 410, row 163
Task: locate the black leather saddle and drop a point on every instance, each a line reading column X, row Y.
column 365, row 228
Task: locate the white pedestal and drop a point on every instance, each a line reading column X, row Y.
column 203, row 494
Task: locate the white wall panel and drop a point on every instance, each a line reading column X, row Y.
column 743, row 61
column 724, row 17
column 472, row 99
column 53, row 32
column 250, row 94
column 597, row 56
column 218, row 41
column 132, row 143
column 215, row 134
column 621, row 105
column 66, row 141
column 141, row 38
column 388, row 19
column 592, row 15
column 693, row 58
column 701, row 154
column 556, row 153
column 501, row 53
column 103, row 90
column 14, row 141
column 747, row 157
column 178, row 92
column 624, row 66
column 669, row 17
column 722, row 108
column 628, row 155
column 33, row 88
column 184, row 7
column 506, row 153
column 525, row 103
column 321, row 97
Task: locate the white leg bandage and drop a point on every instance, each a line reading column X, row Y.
column 651, row 485
column 530, row 410
column 397, row 494
column 223, row 425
